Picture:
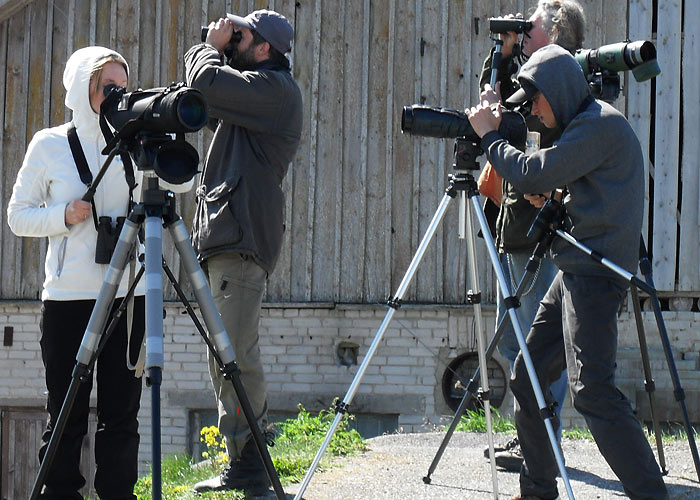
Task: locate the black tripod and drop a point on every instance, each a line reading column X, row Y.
column 462, row 182
column 155, row 212
column 647, row 287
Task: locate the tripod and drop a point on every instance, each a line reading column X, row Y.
column 547, row 220
column 648, row 287
column 472, row 388
column 156, row 210
column 461, row 182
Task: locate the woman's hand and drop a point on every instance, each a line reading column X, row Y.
column 77, row 211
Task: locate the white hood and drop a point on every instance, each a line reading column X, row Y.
column 76, row 80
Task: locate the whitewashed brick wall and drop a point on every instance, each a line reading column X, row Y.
column 298, row 345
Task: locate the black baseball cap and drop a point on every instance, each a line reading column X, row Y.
column 525, row 93
column 272, row 26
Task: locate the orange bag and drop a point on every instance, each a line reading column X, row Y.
column 491, row 184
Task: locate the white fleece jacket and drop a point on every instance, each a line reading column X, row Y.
column 48, row 180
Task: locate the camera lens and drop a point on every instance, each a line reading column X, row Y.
column 192, row 111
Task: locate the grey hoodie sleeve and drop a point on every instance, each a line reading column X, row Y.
column 568, row 159
column 240, row 98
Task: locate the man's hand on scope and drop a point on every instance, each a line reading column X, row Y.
column 219, row 34
column 484, row 117
column 490, row 95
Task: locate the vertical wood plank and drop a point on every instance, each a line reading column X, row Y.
column 327, row 203
column 639, row 97
column 666, row 146
column 351, row 197
column 33, row 249
column 14, row 139
column 377, row 159
column 405, row 59
column 689, row 258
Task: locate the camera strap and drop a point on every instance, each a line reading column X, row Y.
column 82, row 165
column 86, row 176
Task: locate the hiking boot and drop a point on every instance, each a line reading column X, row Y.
column 508, row 457
column 513, row 443
column 245, row 473
column 529, row 497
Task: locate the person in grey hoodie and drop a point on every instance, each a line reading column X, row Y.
column 598, row 160
column 239, row 219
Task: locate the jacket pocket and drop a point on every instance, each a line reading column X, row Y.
column 218, row 225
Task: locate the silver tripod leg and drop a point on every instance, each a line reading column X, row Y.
column 154, row 338
column 342, row 408
column 532, row 374
column 224, row 350
column 481, row 342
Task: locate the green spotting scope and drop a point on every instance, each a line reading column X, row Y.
column 640, row 57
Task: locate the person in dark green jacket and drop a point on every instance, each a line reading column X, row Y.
column 561, row 22
column 239, row 220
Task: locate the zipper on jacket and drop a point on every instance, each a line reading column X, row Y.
column 61, row 255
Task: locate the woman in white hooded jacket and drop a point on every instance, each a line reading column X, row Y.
column 46, row 203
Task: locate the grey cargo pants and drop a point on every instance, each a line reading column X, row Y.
column 237, row 284
column 576, row 327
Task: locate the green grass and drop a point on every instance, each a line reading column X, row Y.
column 294, row 450
column 475, row 421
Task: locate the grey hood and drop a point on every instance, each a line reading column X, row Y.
column 560, row 79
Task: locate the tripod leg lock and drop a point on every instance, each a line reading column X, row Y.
column 512, row 302
column 341, row 407
column 473, row 298
column 679, row 394
column 650, row 386
column 81, row 372
column 484, row 395
column 230, row 370
column 548, row 412
column 393, row 302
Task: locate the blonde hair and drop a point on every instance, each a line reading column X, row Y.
column 99, row 64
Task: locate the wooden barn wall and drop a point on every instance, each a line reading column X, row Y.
column 360, row 194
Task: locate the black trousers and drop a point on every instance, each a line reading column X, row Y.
column 576, row 328
column 62, row 326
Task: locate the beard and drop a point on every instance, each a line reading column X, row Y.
column 244, row 60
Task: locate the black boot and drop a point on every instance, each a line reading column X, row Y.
column 245, row 473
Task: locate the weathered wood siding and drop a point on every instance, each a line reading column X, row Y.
column 360, row 194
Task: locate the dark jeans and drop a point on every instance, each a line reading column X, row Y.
column 576, row 327
column 63, row 324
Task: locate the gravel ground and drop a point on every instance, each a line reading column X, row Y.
column 395, row 465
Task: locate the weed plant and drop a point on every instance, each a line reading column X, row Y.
column 294, row 450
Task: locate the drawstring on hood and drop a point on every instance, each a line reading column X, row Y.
column 555, row 72
column 76, row 80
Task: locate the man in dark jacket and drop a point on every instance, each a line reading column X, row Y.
column 598, row 159
column 239, row 220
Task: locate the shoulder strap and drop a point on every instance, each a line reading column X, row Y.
column 79, row 156
column 81, row 164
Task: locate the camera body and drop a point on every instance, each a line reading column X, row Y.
column 507, row 25
column 107, row 237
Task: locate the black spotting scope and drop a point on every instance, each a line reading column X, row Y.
column 443, row 123
column 173, row 109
